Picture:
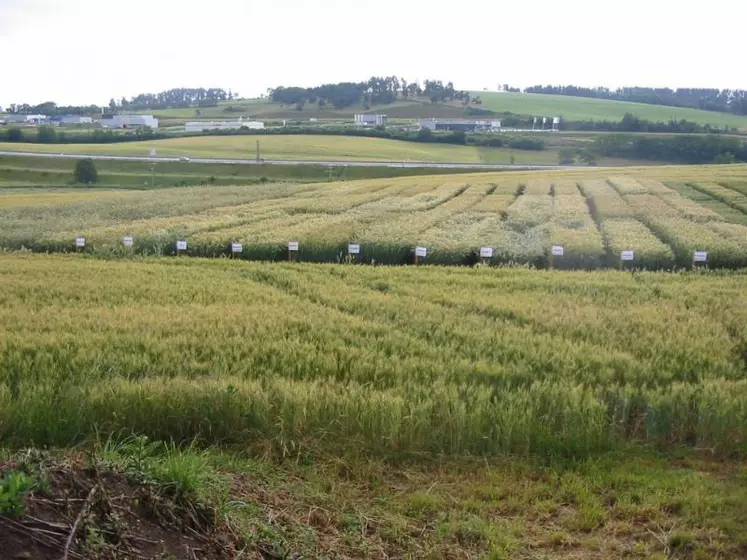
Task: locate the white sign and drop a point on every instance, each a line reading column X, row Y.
column 557, row 251
column 236, row 248
column 128, row 241
column 181, row 245
column 486, row 252
column 293, row 245
column 700, row 256
column 556, row 120
column 421, row 251
column 354, row 249
column 627, row 255
column 80, row 241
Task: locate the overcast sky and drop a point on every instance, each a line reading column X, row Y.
column 87, row 51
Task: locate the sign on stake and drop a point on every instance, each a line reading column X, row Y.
column 420, row 252
column 700, row 256
column 181, row 246
column 236, row 248
column 128, row 241
column 486, row 252
column 626, row 256
column 354, row 249
column 80, row 242
column 292, row 249
column 555, row 251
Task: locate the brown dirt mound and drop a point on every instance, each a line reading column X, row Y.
column 79, row 513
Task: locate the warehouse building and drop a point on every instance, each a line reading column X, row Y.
column 460, row 125
column 72, row 119
column 225, row 125
column 370, row 120
column 14, row 118
column 130, row 121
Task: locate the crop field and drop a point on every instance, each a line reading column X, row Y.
column 300, row 147
column 662, row 214
column 430, row 359
column 332, row 410
column 586, row 109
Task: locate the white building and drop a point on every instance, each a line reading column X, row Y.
column 225, row 125
column 460, row 125
column 130, row 121
column 25, row 119
column 363, row 119
column 73, row 119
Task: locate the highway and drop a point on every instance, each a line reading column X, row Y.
column 336, row 163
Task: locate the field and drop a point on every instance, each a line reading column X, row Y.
column 663, row 214
column 300, row 147
column 21, row 171
column 393, row 411
column 525, row 104
column 585, row 109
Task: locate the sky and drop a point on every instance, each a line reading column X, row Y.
column 88, row 51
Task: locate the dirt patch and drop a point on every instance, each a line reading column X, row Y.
column 76, row 513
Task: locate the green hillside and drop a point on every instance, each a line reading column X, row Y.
column 526, row 104
column 584, row 109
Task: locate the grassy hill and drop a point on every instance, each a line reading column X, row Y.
column 580, row 108
column 529, row 104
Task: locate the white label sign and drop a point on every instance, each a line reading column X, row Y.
column 128, row 241
column 181, row 245
column 421, row 251
column 627, row 255
column 354, row 249
column 486, row 252
column 236, row 247
column 293, row 245
column 557, row 251
column 700, row 256
column 80, row 241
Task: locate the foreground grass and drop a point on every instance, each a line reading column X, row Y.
column 388, row 360
column 619, row 505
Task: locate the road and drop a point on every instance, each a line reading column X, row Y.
column 336, row 163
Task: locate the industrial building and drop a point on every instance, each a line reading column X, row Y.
column 460, row 125
column 225, row 125
column 14, row 118
column 72, row 119
column 370, row 120
column 129, row 121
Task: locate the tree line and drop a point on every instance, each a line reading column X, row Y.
column 680, row 149
column 179, row 98
column 709, row 99
column 374, row 91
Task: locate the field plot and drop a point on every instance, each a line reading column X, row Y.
column 300, row 147
column 428, row 359
column 662, row 214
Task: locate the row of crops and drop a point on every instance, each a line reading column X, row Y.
column 594, row 217
column 436, row 359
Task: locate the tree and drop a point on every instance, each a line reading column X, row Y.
column 85, row 172
column 46, row 135
column 565, row 156
column 15, row 135
column 112, row 105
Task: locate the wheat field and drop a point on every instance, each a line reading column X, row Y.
column 663, row 215
column 429, row 359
